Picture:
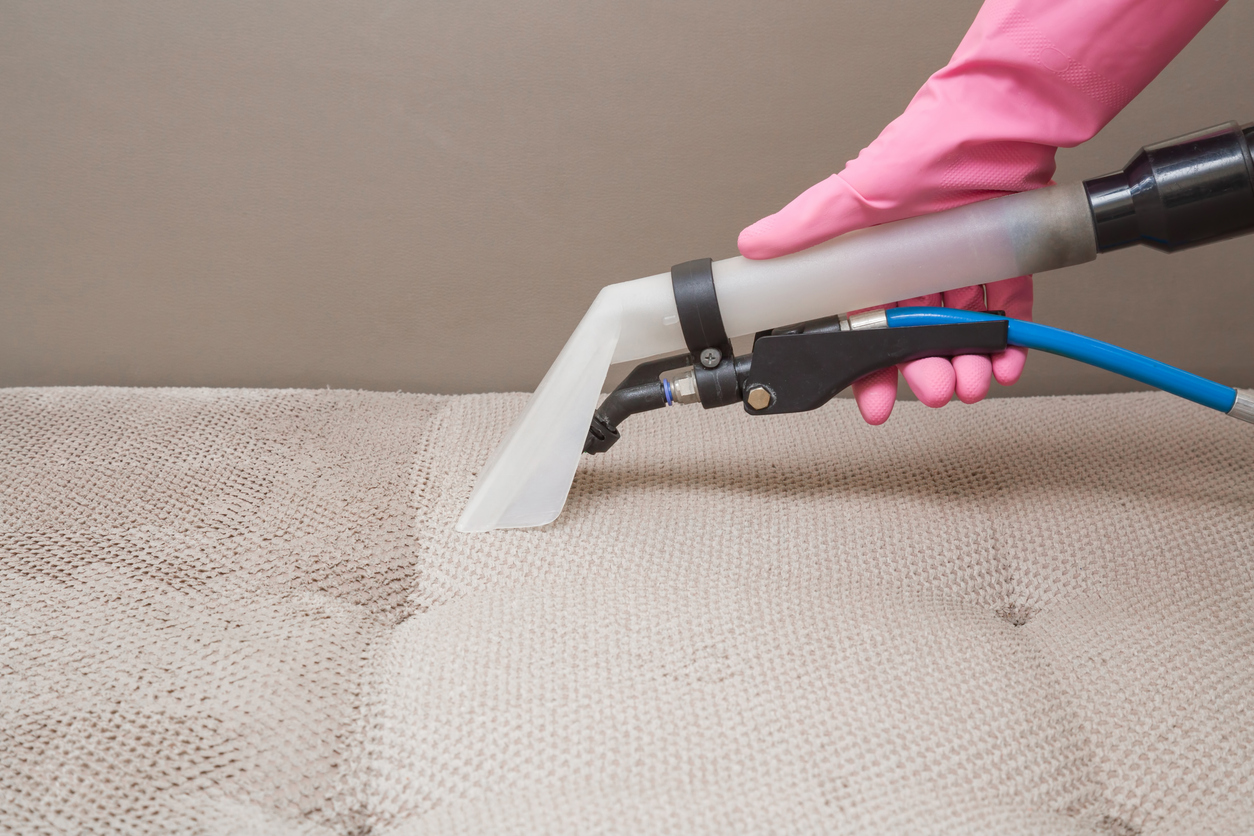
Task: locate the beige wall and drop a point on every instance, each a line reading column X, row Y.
column 426, row 195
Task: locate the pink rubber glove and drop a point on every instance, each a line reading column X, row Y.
column 1029, row 77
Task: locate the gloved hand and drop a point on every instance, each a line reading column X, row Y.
column 1030, row 76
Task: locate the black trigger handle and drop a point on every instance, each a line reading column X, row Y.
column 804, row 371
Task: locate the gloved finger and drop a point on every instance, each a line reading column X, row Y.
column 965, row 298
column 932, row 300
column 1008, row 364
column 1014, row 296
column 823, row 211
column 876, row 393
column 973, row 373
column 931, row 379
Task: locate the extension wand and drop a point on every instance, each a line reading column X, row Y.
column 1173, row 195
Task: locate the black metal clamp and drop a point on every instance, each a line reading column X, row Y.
column 696, row 301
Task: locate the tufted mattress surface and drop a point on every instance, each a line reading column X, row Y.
column 246, row 611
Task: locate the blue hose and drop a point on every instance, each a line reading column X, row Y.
column 1086, row 350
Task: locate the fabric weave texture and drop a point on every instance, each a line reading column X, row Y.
column 245, row 611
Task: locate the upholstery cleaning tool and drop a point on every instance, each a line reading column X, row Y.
column 1176, row 194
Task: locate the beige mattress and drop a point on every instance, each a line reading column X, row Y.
column 245, row 611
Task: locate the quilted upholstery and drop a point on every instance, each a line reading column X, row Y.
column 234, row 611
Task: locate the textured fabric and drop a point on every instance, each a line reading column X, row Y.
column 248, row 612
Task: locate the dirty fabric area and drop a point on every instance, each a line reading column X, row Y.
column 234, row 611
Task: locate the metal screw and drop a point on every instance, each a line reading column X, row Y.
column 711, row 357
column 758, row 397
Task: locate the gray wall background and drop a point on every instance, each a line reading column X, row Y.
column 426, row 195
